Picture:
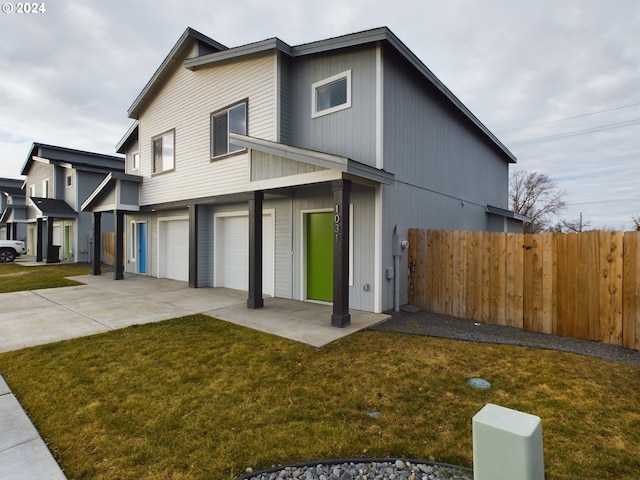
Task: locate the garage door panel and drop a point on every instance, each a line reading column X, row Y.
column 174, row 249
column 232, row 252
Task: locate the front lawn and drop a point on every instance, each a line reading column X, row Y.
column 15, row 277
column 198, row 398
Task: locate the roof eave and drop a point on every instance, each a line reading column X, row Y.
column 170, row 60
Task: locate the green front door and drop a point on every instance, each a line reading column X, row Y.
column 320, row 256
column 67, row 242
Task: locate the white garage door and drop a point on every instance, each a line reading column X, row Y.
column 174, row 249
column 232, row 252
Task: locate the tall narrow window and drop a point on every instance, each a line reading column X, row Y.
column 331, row 94
column 45, row 188
column 135, row 161
column 230, row 120
column 163, row 152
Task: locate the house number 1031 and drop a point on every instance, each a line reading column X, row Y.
column 337, row 222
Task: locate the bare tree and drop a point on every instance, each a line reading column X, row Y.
column 636, row 222
column 535, row 195
column 575, row 226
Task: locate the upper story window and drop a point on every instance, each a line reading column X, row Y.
column 69, row 180
column 32, row 190
column 331, row 94
column 45, row 188
column 229, row 120
column 135, row 161
column 163, row 152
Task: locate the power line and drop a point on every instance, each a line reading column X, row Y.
column 601, row 128
column 569, row 118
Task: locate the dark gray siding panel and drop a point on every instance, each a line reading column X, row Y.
column 350, row 132
column 285, row 99
column 429, row 144
column 205, row 246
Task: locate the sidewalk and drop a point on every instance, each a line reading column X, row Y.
column 23, row 453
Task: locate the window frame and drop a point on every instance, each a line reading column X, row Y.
column 219, row 113
column 45, row 188
column 325, row 82
column 135, row 159
column 68, row 182
column 154, row 139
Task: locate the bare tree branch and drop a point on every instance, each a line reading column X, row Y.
column 535, row 195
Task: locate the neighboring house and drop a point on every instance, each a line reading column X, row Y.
column 296, row 171
column 57, row 181
column 13, row 210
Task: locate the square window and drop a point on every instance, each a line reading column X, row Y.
column 229, row 120
column 331, row 94
column 163, row 152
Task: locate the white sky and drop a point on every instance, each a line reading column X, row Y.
column 558, row 81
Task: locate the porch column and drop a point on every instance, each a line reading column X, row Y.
column 97, row 242
column 39, row 240
column 255, row 299
column 51, row 258
column 119, row 268
column 341, row 197
column 193, row 245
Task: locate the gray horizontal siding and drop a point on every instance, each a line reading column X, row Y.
column 265, row 166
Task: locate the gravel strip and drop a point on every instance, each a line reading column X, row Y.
column 435, row 325
column 364, row 469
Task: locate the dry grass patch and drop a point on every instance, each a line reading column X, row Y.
column 16, row 278
column 198, row 398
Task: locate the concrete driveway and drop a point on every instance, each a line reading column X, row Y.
column 44, row 316
column 102, row 304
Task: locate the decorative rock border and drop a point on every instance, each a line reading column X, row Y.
column 363, row 469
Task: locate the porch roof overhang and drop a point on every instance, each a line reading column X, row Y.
column 52, row 207
column 319, row 159
column 506, row 213
column 118, row 191
column 13, row 214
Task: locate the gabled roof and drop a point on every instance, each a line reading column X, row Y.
column 51, row 207
column 175, row 57
column 111, row 183
column 382, row 34
column 72, row 158
column 12, row 192
column 131, row 134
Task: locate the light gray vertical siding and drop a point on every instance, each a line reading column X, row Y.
column 362, row 199
column 350, row 132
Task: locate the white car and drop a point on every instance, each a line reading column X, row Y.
column 10, row 249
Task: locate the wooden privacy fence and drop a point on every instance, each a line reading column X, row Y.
column 108, row 244
column 584, row 285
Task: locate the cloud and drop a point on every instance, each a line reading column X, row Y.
column 70, row 74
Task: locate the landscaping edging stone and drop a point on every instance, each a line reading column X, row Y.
column 364, row 469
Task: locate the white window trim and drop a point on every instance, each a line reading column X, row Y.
column 45, row 188
column 136, row 166
column 68, row 180
column 314, row 87
column 153, row 153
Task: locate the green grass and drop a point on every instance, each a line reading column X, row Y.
column 15, row 277
column 198, row 398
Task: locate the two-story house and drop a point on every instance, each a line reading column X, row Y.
column 295, row 171
column 13, row 210
column 57, row 181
